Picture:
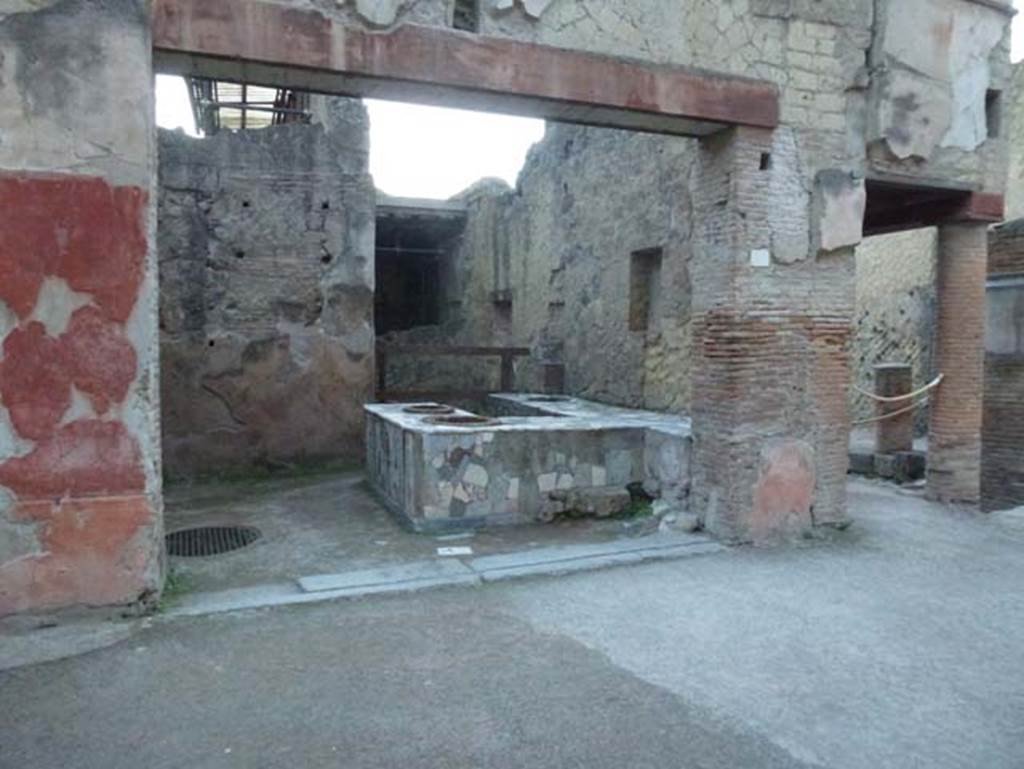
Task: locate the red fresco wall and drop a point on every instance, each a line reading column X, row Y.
column 82, row 483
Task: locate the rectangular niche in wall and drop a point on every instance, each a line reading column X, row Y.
column 466, row 15
column 644, row 289
column 994, row 113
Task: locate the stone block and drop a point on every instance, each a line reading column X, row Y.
column 885, row 465
column 862, row 463
column 842, row 198
column 600, row 502
column 910, row 465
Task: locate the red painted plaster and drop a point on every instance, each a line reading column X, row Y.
column 785, row 489
column 99, row 356
column 37, row 371
column 78, row 228
column 82, row 483
column 83, row 458
column 95, row 552
column 35, row 381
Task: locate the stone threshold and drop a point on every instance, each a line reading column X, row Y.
column 448, row 572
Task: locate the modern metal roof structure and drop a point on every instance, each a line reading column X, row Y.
column 220, row 104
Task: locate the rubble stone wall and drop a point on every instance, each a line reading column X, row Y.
column 266, row 305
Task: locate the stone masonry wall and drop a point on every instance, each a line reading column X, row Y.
column 906, row 79
column 560, row 246
column 266, row 311
column 1013, row 128
column 588, row 200
column 895, row 315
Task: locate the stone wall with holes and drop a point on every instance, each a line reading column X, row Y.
column 266, row 305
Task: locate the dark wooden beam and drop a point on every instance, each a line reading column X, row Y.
column 270, row 44
column 447, row 349
column 895, row 207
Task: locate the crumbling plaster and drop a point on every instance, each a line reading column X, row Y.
column 80, row 507
column 266, row 259
column 933, row 63
column 385, row 13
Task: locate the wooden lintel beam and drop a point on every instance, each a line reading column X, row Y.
column 506, row 75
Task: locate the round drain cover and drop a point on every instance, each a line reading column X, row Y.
column 210, row 540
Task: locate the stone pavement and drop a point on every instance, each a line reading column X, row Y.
column 899, row 644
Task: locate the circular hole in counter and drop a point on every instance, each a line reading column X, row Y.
column 462, row 420
column 429, row 408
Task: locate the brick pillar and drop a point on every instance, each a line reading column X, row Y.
column 895, row 433
column 772, row 317
column 954, row 435
column 80, row 513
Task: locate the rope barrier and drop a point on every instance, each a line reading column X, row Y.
column 891, row 414
column 900, row 398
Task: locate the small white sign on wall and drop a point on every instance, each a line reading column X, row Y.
column 761, row 257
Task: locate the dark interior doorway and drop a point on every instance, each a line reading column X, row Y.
column 414, row 239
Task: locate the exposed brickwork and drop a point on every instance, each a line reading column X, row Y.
column 954, row 441
column 1006, row 249
column 1002, row 456
column 771, row 363
column 1002, row 450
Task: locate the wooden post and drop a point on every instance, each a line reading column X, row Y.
column 382, row 370
column 508, row 372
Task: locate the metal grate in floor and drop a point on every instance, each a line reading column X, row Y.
column 210, row 540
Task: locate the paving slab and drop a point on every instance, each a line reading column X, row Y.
column 269, row 596
column 561, row 553
column 593, row 562
column 446, row 572
column 418, row 571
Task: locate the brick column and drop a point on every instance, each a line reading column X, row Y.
column 954, row 435
column 772, row 317
column 80, row 512
column 895, row 433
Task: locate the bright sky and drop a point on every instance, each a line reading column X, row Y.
column 415, row 151
column 431, row 152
